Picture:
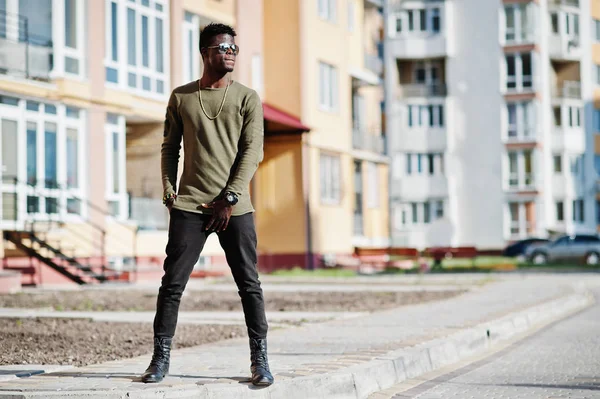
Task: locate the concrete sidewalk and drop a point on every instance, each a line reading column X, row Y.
column 349, row 358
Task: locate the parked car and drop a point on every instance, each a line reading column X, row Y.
column 567, row 249
column 518, row 248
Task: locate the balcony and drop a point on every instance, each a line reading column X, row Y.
column 564, row 3
column 422, row 140
column 569, row 139
column 564, row 47
column 421, row 90
column 365, row 141
column 419, row 45
column 374, row 63
column 420, row 187
column 521, row 135
column 567, row 90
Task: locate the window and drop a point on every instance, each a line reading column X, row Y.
column 418, row 20
column 520, row 169
column 191, row 55
column 521, row 120
column 597, row 73
column 560, row 211
column 373, row 181
column 521, row 217
column 425, row 164
column 578, row 211
column 597, row 211
column 557, row 163
column 351, row 15
column 136, row 51
column 327, row 10
column 330, row 177
column 597, row 164
column 596, row 30
column 328, row 86
column 574, row 115
column 519, row 71
column 425, row 115
column 74, row 32
column 519, row 22
column 577, row 165
column 419, row 213
column 116, row 194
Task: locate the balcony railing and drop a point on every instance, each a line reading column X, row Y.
column 422, row 90
column 374, row 63
column 568, row 89
column 363, row 140
column 569, row 3
column 22, row 54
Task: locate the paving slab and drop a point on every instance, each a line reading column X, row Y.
column 337, row 359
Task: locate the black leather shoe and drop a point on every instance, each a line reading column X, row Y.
column 261, row 375
column 159, row 365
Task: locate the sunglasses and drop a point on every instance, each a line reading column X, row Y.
column 225, row 47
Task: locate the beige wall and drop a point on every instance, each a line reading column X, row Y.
column 282, row 63
column 278, row 200
column 250, row 38
column 355, row 41
column 376, row 219
column 214, row 10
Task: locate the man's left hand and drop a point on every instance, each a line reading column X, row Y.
column 220, row 216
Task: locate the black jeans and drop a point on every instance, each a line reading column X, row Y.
column 186, row 241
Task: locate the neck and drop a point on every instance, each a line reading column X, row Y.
column 214, row 80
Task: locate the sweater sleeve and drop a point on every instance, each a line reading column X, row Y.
column 250, row 146
column 169, row 160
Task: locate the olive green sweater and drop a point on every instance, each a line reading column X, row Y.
column 220, row 155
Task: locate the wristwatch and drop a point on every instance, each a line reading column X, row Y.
column 231, row 198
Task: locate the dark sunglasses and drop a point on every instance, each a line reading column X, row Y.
column 225, row 47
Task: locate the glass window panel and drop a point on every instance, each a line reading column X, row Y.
column 71, row 23
column 31, row 153
column 115, row 162
column 132, row 79
column 9, row 206
column 74, row 206
column 114, row 31
column 131, row 38
column 146, row 83
column 145, row 44
column 159, row 46
column 33, row 204
column 9, row 150
column 72, row 158
column 50, row 109
column 112, row 75
column 33, row 106
column 51, row 162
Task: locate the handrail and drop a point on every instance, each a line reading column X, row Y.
column 54, row 185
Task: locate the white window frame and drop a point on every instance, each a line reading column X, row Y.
column 328, row 87
column 330, row 176
column 418, row 116
column 327, row 10
column 519, row 79
column 121, row 196
column 523, row 182
column 140, row 71
column 22, row 116
column 191, row 51
column 573, row 116
column 525, row 111
column 374, row 187
column 520, row 9
column 414, row 158
column 519, row 228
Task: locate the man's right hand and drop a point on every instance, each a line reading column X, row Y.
column 169, row 204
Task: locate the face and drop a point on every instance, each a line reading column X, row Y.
column 219, row 56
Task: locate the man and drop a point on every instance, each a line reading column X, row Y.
column 221, row 124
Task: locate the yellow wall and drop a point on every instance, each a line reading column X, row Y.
column 214, row 10
column 355, row 41
column 376, row 219
column 278, row 197
column 282, row 55
column 595, row 9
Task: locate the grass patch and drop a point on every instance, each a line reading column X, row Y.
column 299, row 272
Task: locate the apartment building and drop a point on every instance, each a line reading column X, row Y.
column 595, row 137
column 323, row 65
column 83, row 91
column 489, row 120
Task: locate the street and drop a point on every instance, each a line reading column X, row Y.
column 560, row 361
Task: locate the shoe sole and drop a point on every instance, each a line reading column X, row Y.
column 262, row 384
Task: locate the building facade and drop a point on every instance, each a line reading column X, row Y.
column 489, row 122
column 83, row 91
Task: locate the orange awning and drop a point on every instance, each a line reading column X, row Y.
column 281, row 122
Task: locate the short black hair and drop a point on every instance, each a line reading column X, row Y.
column 211, row 30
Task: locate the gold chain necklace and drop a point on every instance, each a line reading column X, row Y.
column 212, row 118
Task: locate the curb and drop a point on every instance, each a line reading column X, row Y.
column 360, row 381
